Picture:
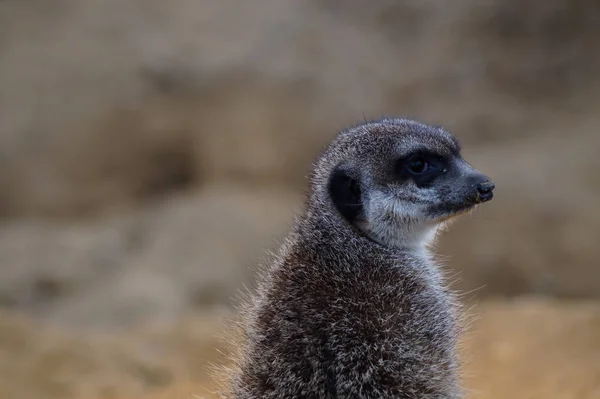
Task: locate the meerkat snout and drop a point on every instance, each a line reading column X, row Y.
column 485, row 190
column 479, row 189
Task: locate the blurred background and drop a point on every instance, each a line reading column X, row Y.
column 152, row 151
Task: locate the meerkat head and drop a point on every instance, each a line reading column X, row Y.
column 397, row 181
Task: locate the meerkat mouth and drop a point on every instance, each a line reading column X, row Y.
column 456, row 212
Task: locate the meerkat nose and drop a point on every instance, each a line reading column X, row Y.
column 485, row 191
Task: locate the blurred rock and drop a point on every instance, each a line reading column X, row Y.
column 118, row 118
column 173, row 256
column 44, row 262
column 108, row 102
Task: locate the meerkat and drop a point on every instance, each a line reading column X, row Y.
column 355, row 305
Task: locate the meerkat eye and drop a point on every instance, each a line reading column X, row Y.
column 354, row 187
column 417, row 166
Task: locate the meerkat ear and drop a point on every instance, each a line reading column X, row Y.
column 345, row 192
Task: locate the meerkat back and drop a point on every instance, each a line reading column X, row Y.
column 354, row 304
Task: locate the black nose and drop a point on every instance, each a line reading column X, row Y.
column 485, row 191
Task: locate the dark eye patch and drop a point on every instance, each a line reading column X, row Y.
column 421, row 166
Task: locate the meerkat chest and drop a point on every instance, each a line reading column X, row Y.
column 377, row 330
column 392, row 303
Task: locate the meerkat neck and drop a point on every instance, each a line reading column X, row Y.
column 345, row 239
column 409, row 237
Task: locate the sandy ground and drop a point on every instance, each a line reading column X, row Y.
column 527, row 348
